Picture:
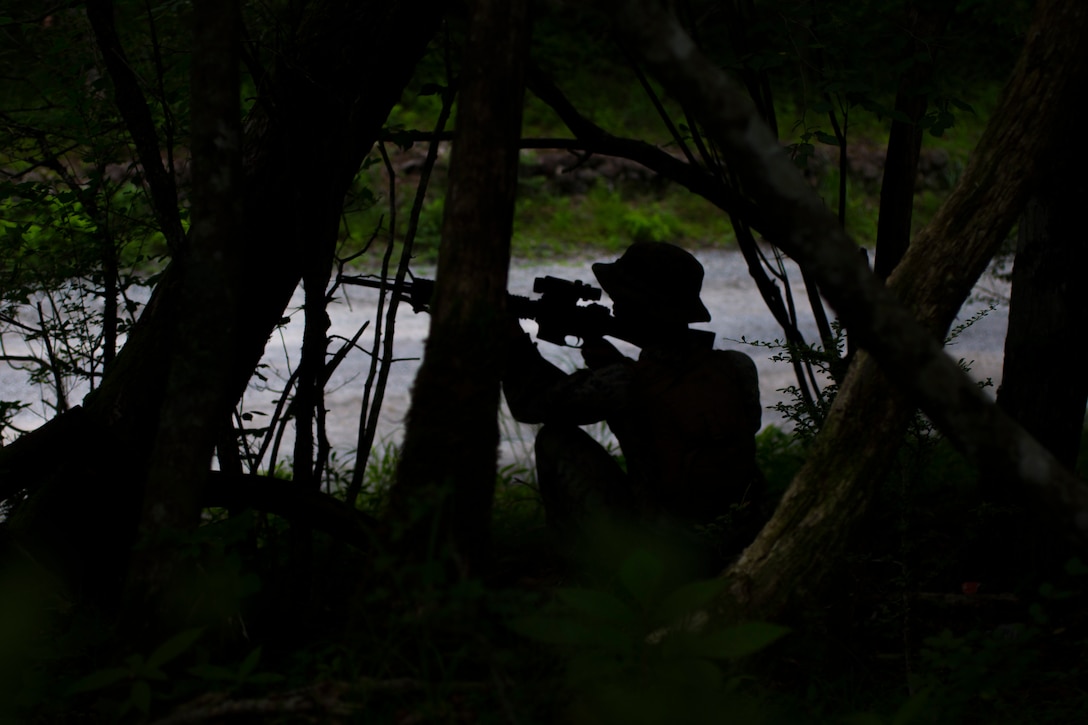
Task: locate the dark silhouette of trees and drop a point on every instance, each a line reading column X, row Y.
column 899, row 326
column 268, row 192
column 319, row 109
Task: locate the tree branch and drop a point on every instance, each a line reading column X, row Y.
column 935, row 282
column 592, row 138
column 133, row 107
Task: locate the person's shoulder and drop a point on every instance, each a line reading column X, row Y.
column 736, row 365
column 734, row 358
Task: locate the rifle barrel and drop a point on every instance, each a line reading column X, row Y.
column 556, row 321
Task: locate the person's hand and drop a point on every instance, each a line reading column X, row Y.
column 512, row 328
column 598, row 352
column 519, row 344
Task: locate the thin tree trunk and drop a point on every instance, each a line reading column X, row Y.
column 445, row 483
column 305, row 466
column 905, row 139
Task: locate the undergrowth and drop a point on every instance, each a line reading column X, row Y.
column 929, row 620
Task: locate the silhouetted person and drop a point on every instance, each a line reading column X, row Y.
column 685, row 415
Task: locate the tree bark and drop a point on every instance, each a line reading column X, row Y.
column 926, row 19
column 445, row 483
column 320, row 108
column 1043, row 384
column 133, row 108
column 779, row 570
column 161, row 580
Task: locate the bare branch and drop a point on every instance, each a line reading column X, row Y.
column 369, row 423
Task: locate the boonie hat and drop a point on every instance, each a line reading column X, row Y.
column 659, row 273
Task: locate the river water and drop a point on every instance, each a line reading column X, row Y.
column 737, row 311
column 735, row 305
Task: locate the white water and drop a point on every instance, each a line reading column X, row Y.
column 736, row 308
column 735, row 305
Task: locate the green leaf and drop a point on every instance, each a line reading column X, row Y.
column 174, row 647
column 264, row 678
column 962, row 105
column 597, row 604
column 692, row 673
column 100, row 679
column 594, row 666
column 640, row 575
column 737, row 641
column 690, row 598
column 250, row 663
column 1075, row 567
column 864, row 718
column 570, row 633
column 151, row 673
column 140, row 697
column 229, row 530
column 213, row 672
column 917, row 708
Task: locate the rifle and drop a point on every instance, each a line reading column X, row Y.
column 558, row 311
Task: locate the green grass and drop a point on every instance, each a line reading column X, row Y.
column 548, row 225
column 608, row 218
column 608, row 221
column 604, row 89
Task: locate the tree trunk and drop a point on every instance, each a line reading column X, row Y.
column 905, row 139
column 779, row 570
column 446, row 478
column 1043, row 385
column 161, row 583
column 319, row 111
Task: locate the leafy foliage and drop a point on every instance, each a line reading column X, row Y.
column 640, row 652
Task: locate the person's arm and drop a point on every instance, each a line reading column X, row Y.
column 598, row 353
column 526, row 377
column 539, row 392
